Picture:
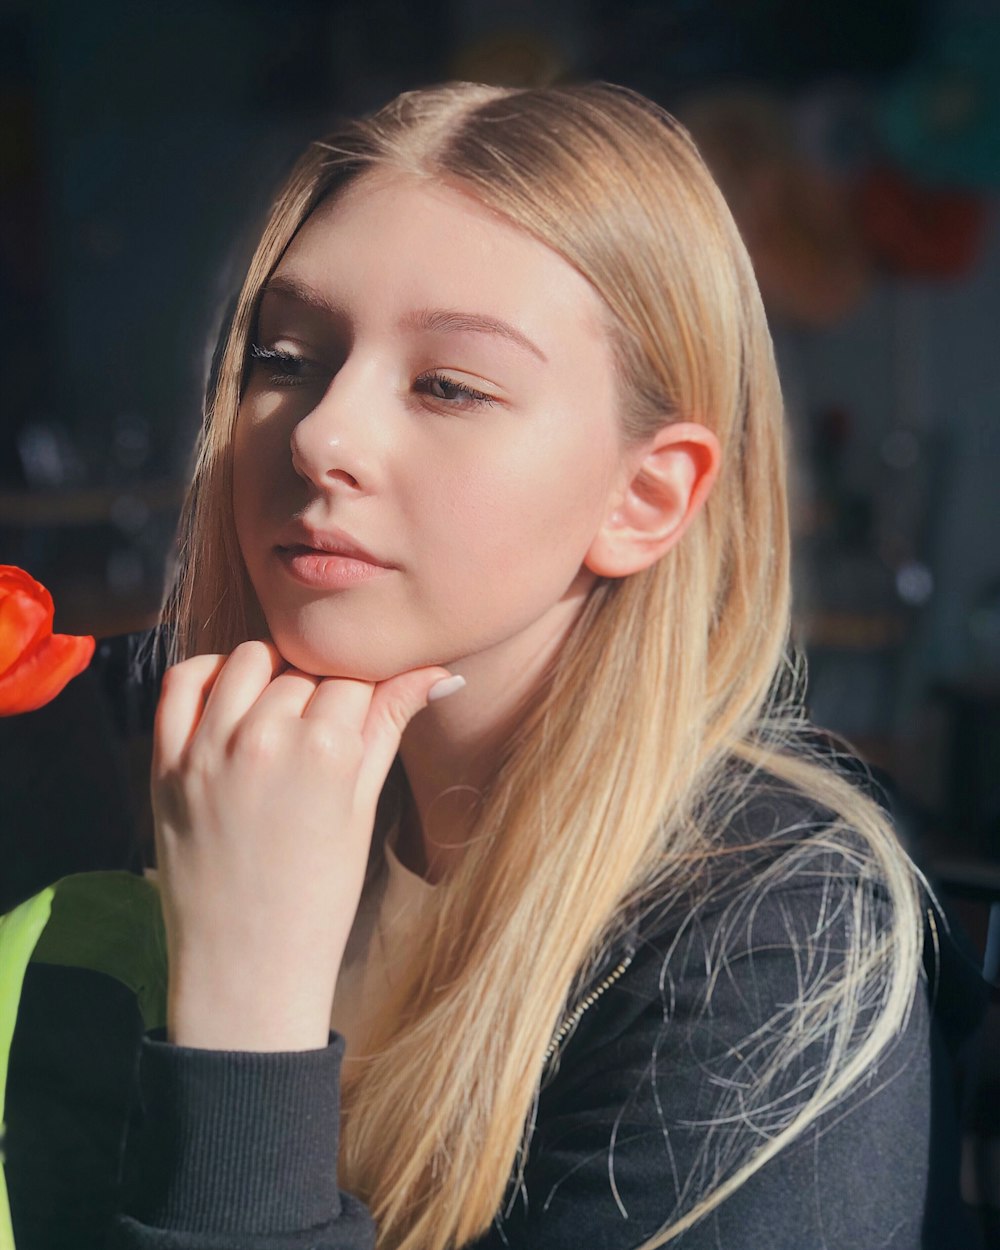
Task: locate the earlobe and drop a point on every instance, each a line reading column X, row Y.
column 662, row 488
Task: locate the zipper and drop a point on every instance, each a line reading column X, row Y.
column 575, row 1016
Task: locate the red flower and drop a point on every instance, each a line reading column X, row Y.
column 35, row 663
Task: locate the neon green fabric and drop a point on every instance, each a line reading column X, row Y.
column 108, row 922
column 19, row 932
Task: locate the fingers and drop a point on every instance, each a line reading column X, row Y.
column 213, row 695
column 183, row 692
column 243, row 678
column 343, row 701
column 381, row 712
column 394, row 704
column 190, row 687
column 285, row 697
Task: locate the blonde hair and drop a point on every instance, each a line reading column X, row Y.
column 619, row 776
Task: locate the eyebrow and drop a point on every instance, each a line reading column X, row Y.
column 440, row 320
column 450, row 321
column 304, row 294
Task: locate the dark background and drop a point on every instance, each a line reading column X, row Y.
column 859, row 146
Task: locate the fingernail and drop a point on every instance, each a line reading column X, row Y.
column 446, row 686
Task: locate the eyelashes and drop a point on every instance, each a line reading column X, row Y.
column 284, row 368
column 453, row 389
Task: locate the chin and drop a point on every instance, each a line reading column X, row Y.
column 321, row 663
column 323, row 657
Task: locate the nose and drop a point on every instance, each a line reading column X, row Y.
column 332, row 443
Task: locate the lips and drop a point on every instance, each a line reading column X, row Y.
column 328, row 559
column 301, row 540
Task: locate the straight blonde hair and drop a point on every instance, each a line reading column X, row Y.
column 614, row 787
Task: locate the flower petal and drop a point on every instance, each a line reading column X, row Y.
column 43, row 672
column 24, row 620
column 14, row 578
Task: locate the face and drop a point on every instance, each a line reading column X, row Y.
column 432, row 386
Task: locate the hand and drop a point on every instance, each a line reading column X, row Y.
column 264, row 786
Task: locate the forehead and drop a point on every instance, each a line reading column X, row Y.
column 395, row 237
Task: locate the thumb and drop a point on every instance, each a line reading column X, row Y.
column 394, row 704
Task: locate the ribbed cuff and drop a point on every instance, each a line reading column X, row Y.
column 235, row 1140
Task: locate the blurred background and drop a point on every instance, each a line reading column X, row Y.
column 858, row 144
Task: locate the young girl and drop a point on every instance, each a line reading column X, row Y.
column 625, row 963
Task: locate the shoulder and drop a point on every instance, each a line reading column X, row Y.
column 742, row 998
column 777, row 861
column 743, row 968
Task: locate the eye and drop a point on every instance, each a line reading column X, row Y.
column 453, row 394
column 285, row 368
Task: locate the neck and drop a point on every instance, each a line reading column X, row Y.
column 450, row 749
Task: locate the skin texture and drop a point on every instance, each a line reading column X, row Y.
column 497, row 514
column 487, row 509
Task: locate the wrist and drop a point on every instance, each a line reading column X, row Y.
column 220, row 1035
column 206, row 1018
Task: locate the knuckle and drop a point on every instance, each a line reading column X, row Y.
column 170, row 677
column 329, row 742
column 258, row 740
column 195, row 668
column 398, row 711
column 199, row 763
column 177, row 674
column 319, row 739
column 252, row 650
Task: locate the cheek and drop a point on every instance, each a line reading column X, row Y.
column 260, row 454
column 531, row 510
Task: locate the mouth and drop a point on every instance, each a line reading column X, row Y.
column 322, row 569
column 326, row 559
column 303, row 539
column 343, row 552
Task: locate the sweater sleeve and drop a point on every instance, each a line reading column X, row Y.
column 237, row 1151
column 658, row 1095
column 117, row 1140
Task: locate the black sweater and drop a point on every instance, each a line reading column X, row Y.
column 117, row 1140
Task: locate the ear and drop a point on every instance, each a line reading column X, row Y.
column 662, row 485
